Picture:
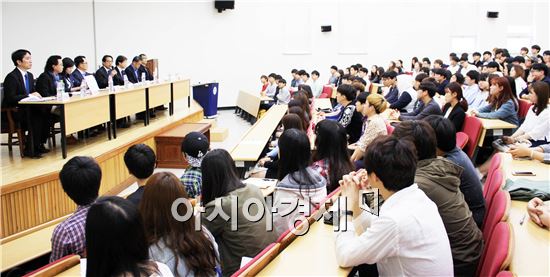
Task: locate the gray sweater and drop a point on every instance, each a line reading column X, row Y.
column 423, row 110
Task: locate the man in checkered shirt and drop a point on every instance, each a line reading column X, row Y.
column 194, row 147
column 80, row 179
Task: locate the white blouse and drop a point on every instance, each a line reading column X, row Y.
column 536, row 126
column 407, row 239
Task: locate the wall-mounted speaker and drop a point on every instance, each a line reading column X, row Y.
column 326, row 28
column 222, row 5
column 492, row 14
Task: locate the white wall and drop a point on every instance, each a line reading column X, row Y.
column 258, row 37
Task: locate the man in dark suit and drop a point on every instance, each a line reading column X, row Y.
column 46, row 84
column 118, row 79
column 132, row 71
column 18, row 85
column 102, row 74
column 81, row 66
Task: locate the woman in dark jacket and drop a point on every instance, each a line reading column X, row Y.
column 455, row 105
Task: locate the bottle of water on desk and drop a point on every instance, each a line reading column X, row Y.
column 126, row 81
column 111, row 84
column 83, row 88
column 143, row 78
column 60, row 90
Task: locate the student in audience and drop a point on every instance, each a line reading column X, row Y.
column 103, row 73
column 220, row 188
column 282, row 95
column 121, row 63
column 536, row 127
column 304, row 76
column 370, row 106
column 172, row 241
column 455, row 105
column 350, row 118
column 517, row 73
column 297, row 180
column 494, row 68
column 65, row 76
column 408, row 237
column 466, row 66
column 46, row 84
column 265, row 83
column 295, row 78
column 540, row 153
column 414, row 60
column 353, row 70
column 478, row 90
column 78, row 75
column 374, row 76
column 426, row 62
column 19, row 84
column 405, row 95
column 538, row 72
column 302, row 96
column 303, row 116
column 115, row 241
column 470, row 185
column 141, row 162
column 389, row 80
column 272, row 87
column 457, row 77
column 347, row 79
column 502, row 104
column 477, row 60
column 363, row 73
column 439, row 178
column 440, row 76
column 316, row 84
column 453, row 65
column 427, row 105
column 331, row 157
column 487, row 57
column 132, row 71
column 535, row 50
column 80, row 178
column 546, row 58
column 307, row 90
column 333, row 80
column 193, row 147
column 438, row 64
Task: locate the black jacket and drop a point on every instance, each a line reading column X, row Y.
column 132, row 76
column 14, row 88
column 456, row 116
column 118, row 79
column 46, row 85
column 102, row 77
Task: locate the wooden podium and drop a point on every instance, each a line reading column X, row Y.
column 168, row 144
column 153, row 67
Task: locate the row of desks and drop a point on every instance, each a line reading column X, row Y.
column 82, row 112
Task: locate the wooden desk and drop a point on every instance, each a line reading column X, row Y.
column 159, row 95
column 249, row 103
column 313, row 254
column 181, row 89
column 494, row 127
column 78, row 113
column 71, row 272
column 375, row 86
column 321, row 104
column 531, row 243
column 168, row 144
column 253, row 142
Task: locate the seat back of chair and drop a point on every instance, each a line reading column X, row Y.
column 472, row 127
column 461, row 139
column 497, row 212
column 524, row 107
column 498, row 251
column 56, row 267
column 259, row 262
column 389, row 129
column 494, row 166
column 326, row 92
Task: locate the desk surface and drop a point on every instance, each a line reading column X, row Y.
column 26, row 248
column 490, row 124
column 253, row 142
column 322, row 103
column 531, row 243
column 311, row 254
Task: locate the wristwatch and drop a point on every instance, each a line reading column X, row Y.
column 347, row 212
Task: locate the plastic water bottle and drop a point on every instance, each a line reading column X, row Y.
column 60, row 90
column 143, row 77
column 111, row 84
column 83, row 88
column 126, row 81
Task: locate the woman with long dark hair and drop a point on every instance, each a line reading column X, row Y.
column 222, row 191
column 331, row 158
column 297, row 180
column 116, row 243
column 176, row 243
column 455, row 105
column 502, row 104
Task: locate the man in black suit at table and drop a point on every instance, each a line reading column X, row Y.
column 18, row 85
column 81, row 66
column 121, row 63
column 133, row 72
column 102, row 74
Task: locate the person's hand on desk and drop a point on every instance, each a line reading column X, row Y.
column 262, row 161
column 539, row 212
column 508, row 140
column 36, row 94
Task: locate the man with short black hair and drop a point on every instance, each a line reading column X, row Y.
column 471, row 90
column 408, row 237
column 132, row 71
column 493, row 68
column 282, row 94
column 316, row 85
column 538, row 72
column 389, row 80
column 350, row 118
column 439, row 178
column 295, row 78
column 440, row 76
column 333, row 80
column 427, row 105
column 524, row 51
column 78, row 75
column 363, row 74
column 546, row 57
column 80, row 178
column 453, row 65
column 141, row 162
column 477, row 59
column 103, row 73
column 470, row 185
column 118, row 79
column 487, row 57
column 353, row 70
column 143, row 68
column 466, row 66
column 535, row 50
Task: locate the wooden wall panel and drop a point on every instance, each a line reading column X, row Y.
column 44, row 200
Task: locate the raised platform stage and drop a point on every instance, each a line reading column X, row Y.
column 30, row 192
